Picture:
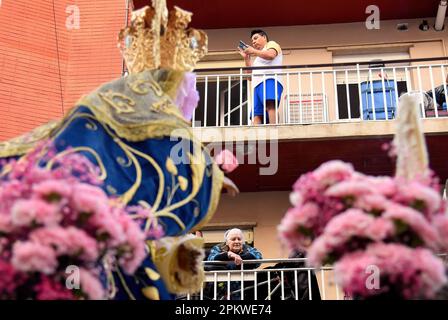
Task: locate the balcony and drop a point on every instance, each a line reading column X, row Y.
column 325, row 112
column 275, row 279
column 320, row 94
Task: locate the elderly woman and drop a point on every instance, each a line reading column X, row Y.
column 235, row 251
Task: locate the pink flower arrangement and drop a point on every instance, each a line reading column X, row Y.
column 353, row 221
column 54, row 219
column 409, row 273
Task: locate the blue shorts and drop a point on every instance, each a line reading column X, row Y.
column 259, row 96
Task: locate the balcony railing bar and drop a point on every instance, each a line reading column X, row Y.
column 355, row 94
column 307, row 66
column 285, row 73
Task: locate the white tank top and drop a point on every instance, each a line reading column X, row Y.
column 259, row 75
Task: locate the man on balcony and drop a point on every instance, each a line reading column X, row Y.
column 266, row 84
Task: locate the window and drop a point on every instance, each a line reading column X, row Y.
column 214, row 233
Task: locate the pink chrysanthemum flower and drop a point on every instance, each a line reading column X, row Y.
column 409, row 218
column 349, row 231
column 33, row 257
column 420, row 197
column 295, row 229
column 333, row 171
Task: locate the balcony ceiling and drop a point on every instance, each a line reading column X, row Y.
column 216, row 14
column 298, row 157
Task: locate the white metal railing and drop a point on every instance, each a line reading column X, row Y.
column 288, row 279
column 326, row 93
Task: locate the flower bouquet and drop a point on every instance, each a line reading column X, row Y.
column 57, row 227
column 382, row 234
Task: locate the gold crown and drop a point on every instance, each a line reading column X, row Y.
column 156, row 40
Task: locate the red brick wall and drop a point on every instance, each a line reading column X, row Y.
column 44, row 67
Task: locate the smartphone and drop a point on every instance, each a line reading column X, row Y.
column 242, row 45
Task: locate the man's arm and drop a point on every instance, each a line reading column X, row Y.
column 247, row 60
column 269, row 54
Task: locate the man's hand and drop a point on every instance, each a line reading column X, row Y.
column 246, row 57
column 235, row 257
column 244, row 54
column 250, row 51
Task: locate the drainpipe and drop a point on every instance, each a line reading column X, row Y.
column 440, row 19
column 128, row 4
column 126, row 23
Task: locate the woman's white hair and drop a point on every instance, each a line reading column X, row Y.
column 226, row 234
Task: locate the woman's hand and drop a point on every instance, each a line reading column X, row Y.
column 235, row 257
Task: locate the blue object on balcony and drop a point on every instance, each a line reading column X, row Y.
column 376, row 87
